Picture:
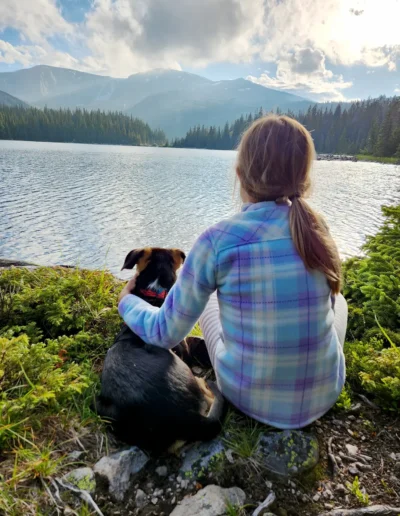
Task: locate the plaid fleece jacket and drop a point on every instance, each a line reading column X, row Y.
column 282, row 362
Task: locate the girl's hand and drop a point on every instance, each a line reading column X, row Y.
column 128, row 289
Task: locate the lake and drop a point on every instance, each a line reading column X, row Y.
column 90, row 204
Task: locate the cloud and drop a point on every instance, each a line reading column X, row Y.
column 345, row 39
column 305, row 69
column 304, row 38
column 397, row 90
column 36, row 20
column 143, row 34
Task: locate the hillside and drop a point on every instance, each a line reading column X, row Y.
column 167, row 99
column 10, row 101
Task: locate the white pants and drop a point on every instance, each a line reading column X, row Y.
column 210, row 325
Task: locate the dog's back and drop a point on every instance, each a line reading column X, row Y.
column 152, row 398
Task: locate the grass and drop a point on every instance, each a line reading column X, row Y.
column 242, row 435
column 378, row 159
column 355, row 490
column 56, row 325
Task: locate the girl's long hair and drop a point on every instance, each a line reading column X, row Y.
column 274, row 163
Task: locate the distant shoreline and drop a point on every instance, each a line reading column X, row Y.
column 320, row 157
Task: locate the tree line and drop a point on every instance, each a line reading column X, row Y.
column 363, row 127
column 79, row 125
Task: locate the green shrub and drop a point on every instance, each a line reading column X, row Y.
column 372, row 290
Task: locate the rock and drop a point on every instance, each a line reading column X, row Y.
column 200, row 458
column 154, row 501
column 140, row 499
column 173, row 501
column 316, row 497
column 82, row 478
column 210, row 501
column 268, row 484
column 350, row 432
column 351, row 449
column 289, row 452
column 75, row 455
column 340, row 489
column 197, row 370
column 353, row 471
column 396, row 468
column 328, row 506
column 395, row 456
column 116, row 469
column 162, row 471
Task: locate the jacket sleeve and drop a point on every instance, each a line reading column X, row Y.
column 167, row 326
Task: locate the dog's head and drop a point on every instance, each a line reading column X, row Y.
column 156, row 269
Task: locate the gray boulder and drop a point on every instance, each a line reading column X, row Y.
column 289, row 453
column 210, row 501
column 116, row 469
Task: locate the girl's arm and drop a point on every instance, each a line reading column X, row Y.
column 168, row 325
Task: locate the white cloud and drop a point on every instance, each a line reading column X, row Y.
column 304, row 69
column 34, row 19
column 397, row 90
column 302, row 37
column 372, row 37
column 127, row 35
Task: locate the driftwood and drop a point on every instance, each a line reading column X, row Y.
column 266, row 503
column 332, row 458
column 374, row 510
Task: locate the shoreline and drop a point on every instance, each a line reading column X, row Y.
column 320, row 157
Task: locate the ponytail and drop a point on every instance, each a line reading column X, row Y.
column 274, row 162
column 313, row 242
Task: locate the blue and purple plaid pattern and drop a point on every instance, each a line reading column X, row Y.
column 282, row 362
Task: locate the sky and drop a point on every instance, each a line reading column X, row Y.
column 325, row 50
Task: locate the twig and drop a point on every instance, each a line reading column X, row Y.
column 374, row 510
column 353, row 459
column 368, row 402
column 58, row 508
column 266, row 503
column 332, row 458
column 57, row 491
column 81, row 493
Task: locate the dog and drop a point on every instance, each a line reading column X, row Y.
column 148, row 393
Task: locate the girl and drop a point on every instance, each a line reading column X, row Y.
column 275, row 328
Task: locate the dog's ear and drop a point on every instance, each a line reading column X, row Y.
column 132, row 258
column 179, row 257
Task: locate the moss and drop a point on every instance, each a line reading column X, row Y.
column 86, row 483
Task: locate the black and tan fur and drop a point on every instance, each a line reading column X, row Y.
column 149, row 393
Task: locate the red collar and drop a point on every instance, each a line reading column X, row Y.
column 152, row 293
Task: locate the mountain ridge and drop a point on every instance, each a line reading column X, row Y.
column 170, row 100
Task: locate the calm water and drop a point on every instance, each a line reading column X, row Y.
column 91, row 204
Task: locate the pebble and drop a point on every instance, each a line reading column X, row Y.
column 184, row 484
column 351, row 449
column 318, row 422
column 350, row 432
column 329, row 506
column 140, row 499
column 352, row 418
column 340, row 489
column 197, row 370
column 328, row 494
column 396, row 468
column 336, row 422
column 154, row 501
column 268, row 483
column 162, row 471
column 158, row 492
column 353, row 471
column 316, row 497
column 173, row 501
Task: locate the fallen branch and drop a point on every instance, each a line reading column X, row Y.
column 266, row 503
column 369, row 403
column 331, row 456
column 374, row 510
column 81, row 493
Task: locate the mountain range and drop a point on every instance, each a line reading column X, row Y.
column 10, row 101
column 170, row 100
